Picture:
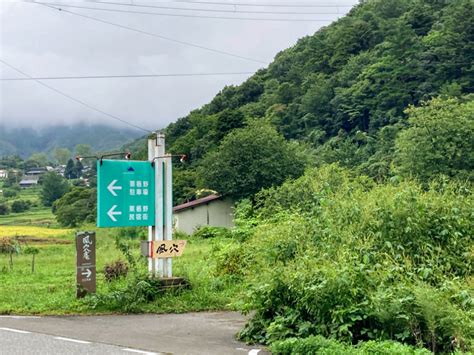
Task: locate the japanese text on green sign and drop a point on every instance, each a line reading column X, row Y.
column 125, row 193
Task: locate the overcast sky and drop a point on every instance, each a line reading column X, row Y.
column 44, row 42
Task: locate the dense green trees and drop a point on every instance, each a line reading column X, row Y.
column 439, row 140
column 53, row 187
column 249, row 159
column 11, row 161
column 73, row 169
column 78, row 167
column 62, row 155
column 4, row 209
column 20, row 206
column 70, row 171
column 76, row 207
column 345, row 90
column 36, row 160
column 83, row 150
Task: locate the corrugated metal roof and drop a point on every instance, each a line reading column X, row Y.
column 196, row 203
column 22, row 182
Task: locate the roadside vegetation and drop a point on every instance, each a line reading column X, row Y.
column 337, row 255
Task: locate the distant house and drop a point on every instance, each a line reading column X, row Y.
column 36, row 171
column 29, row 180
column 3, row 174
column 60, row 169
column 211, row 210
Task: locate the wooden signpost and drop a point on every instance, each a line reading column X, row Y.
column 85, row 267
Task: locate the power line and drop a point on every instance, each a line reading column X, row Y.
column 259, row 5
column 183, row 15
column 122, row 76
column 216, row 10
column 74, row 99
column 154, row 34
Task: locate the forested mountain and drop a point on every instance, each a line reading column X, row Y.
column 25, row 141
column 342, row 92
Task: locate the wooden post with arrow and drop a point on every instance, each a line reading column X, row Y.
column 85, row 270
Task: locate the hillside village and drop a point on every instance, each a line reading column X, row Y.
column 29, row 177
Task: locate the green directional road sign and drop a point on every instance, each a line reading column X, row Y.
column 125, row 193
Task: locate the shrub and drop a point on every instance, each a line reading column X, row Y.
column 9, row 193
column 7, row 246
column 388, row 348
column 207, row 232
column 15, row 187
column 20, row 206
column 244, row 220
column 4, row 209
column 339, row 256
column 439, row 140
column 324, row 346
column 76, row 207
column 115, row 270
column 133, row 232
column 177, row 234
column 10, row 247
column 231, row 260
column 311, row 345
column 139, row 289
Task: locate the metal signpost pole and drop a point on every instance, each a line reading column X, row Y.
column 151, row 229
column 159, row 212
column 169, row 209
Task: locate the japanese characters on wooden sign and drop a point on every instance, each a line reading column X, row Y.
column 86, row 269
column 163, row 248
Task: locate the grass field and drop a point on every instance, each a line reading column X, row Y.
column 32, row 194
column 36, row 216
column 51, row 288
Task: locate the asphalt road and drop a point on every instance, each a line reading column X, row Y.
column 13, row 341
column 190, row 333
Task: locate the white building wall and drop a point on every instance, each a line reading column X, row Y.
column 217, row 213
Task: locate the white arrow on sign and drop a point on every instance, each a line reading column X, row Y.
column 87, row 274
column 112, row 187
column 112, row 213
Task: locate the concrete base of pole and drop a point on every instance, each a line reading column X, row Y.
column 171, row 283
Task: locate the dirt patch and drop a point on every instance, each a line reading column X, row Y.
column 28, row 239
